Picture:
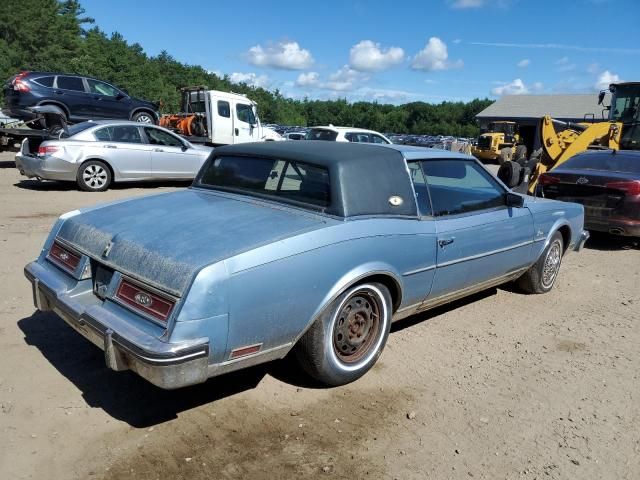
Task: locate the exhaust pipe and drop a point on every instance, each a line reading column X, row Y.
column 616, row 231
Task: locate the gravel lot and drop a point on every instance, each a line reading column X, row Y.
column 502, row 385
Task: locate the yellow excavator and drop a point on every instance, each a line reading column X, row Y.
column 562, row 140
column 501, row 141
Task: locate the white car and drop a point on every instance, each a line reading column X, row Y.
column 295, row 136
column 95, row 154
column 346, row 134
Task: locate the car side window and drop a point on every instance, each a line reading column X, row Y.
column 224, row 110
column 126, row 134
column 70, row 83
column 45, row 81
column 101, row 88
column 245, row 113
column 421, row 189
column 103, row 134
column 160, row 137
column 459, row 186
column 357, row 137
column 378, row 139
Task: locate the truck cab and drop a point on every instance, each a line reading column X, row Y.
column 218, row 118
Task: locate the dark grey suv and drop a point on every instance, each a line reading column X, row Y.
column 77, row 97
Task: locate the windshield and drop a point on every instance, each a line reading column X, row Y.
column 79, row 127
column 500, row 127
column 294, row 182
column 618, row 162
column 322, row 134
column 625, row 103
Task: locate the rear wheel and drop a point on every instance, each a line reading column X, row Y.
column 509, row 173
column 505, row 155
column 347, row 339
column 541, row 277
column 521, row 154
column 94, row 176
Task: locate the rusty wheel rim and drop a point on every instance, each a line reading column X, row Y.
column 356, row 328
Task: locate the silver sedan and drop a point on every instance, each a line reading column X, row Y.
column 95, row 154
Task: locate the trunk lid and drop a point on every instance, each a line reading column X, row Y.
column 164, row 240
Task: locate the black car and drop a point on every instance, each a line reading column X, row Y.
column 606, row 182
column 77, row 97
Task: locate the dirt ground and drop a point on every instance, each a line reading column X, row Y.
column 499, row 386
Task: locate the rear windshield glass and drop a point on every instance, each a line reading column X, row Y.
column 79, row 127
column 618, row 162
column 321, row 134
column 286, row 180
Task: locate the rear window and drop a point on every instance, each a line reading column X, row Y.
column 321, row 134
column 618, row 162
column 44, row 81
column 79, row 127
column 295, row 182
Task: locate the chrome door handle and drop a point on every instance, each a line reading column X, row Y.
column 110, row 146
column 445, row 241
column 158, row 150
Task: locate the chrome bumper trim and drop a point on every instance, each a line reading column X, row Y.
column 167, row 365
column 584, row 236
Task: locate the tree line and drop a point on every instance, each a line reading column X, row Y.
column 55, row 35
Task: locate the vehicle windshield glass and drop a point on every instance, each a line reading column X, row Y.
column 321, row 134
column 610, row 163
column 502, row 127
column 79, row 127
column 293, row 182
column 626, row 104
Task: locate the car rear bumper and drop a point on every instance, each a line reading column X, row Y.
column 584, row 236
column 167, row 365
column 614, row 225
column 47, row 167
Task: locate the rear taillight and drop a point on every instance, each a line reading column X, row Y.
column 144, row 300
column 546, row 179
column 64, row 257
column 19, row 84
column 47, row 150
column 630, row 187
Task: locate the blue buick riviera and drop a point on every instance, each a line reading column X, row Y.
column 311, row 247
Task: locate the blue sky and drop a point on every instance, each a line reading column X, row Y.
column 392, row 51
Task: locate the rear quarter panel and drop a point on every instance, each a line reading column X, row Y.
column 549, row 216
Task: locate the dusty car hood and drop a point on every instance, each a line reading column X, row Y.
column 165, row 239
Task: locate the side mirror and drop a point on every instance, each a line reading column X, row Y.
column 185, row 147
column 120, row 96
column 601, row 97
column 514, row 200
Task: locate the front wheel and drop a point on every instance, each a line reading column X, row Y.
column 347, row 339
column 541, row 277
column 94, row 176
column 144, row 117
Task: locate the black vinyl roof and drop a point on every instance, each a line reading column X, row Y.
column 363, row 177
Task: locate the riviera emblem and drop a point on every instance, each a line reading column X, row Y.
column 142, row 299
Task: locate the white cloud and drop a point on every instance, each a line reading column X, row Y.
column 606, row 78
column 537, row 86
column 457, row 41
column 343, row 80
column 251, row 79
column 434, row 56
column 516, row 87
column 593, row 68
column 467, row 3
column 309, row 79
column 368, row 56
column 525, row 62
column 558, row 46
column 562, row 61
column 286, row 55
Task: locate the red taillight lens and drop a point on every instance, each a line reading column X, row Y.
column 144, row 300
column 546, row 179
column 64, row 257
column 20, row 86
column 630, row 187
column 47, row 150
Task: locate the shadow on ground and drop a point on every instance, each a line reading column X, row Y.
column 8, row 164
column 45, row 186
column 606, row 242
column 126, row 396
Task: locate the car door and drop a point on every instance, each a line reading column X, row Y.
column 171, row 157
column 222, row 132
column 123, row 147
column 70, row 91
column 107, row 101
column 479, row 238
column 244, row 123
